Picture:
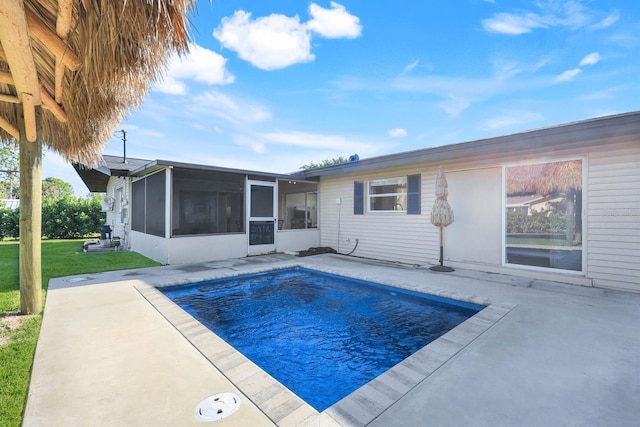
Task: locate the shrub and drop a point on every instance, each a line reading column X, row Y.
column 9, row 223
column 537, row 222
column 71, row 217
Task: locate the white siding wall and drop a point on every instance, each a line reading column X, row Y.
column 118, row 222
column 611, row 202
column 613, row 216
column 297, row 240
column 393, row 236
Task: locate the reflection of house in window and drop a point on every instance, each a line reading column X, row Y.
column 528, row 203
column 544, row 215
column 298, row 205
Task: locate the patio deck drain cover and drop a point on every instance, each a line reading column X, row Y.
column 217, row 407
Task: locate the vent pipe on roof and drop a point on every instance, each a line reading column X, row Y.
column 124, row 145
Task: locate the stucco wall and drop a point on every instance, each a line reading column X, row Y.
column 206, row 248
column 154, row 247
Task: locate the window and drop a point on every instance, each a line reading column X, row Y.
column 543, row 214
column 148, row 200
column 205, row 202
column 388, row 194
column 298, row 204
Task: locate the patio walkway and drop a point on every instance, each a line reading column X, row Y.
column 563, row 355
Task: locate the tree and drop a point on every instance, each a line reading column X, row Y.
column 9, row 164
column 55, row 189
column 326, row 162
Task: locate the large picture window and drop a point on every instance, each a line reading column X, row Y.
column 388, row 194
column 206, row 202
column 544, row 215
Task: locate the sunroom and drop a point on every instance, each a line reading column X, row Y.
column 186, row 213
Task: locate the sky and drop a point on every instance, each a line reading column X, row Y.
column 272, row 86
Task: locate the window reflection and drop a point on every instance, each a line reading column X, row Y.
column 544, row 215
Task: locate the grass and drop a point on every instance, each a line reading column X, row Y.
column 18, row 338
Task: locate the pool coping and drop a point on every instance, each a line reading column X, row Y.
column 359, row 408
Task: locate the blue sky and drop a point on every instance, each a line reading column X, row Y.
column 274, row 85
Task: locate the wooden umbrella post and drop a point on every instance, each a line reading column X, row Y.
column 30, row 221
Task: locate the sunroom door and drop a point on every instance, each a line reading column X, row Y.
column 262, row 217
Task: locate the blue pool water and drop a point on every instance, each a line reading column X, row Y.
column 322, row 336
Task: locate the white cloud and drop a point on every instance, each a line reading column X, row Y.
column 508, row 23
column 571, row 14
column 608, row 93
column 568, row 75
column 269, row 43
column 278, row 41
column 334, row 23
column 201, row 65
column 397, row 133
column 591, row 59
column 256, row 145
column 608, row 21
column 512, row 118
column 231, row 109
column 457, row 93
column 456, row 104
column 316, row 141
column 151, row 132
column 410, row 67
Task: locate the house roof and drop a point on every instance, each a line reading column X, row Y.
column 96, row 178
column 155, row 165
column 579, row 134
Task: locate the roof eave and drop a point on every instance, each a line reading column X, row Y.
column 587, row 132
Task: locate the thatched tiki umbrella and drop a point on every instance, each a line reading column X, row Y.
column 69, row 71
column 441, row 215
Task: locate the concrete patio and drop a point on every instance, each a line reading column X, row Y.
column 554, row 354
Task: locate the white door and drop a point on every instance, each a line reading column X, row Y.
column 262, row 202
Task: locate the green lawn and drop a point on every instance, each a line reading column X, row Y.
column 17, row 346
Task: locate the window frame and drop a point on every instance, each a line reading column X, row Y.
column 370, row 196
column 580, row 213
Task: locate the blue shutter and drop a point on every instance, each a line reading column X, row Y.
column 358, row 198
column 413, row 194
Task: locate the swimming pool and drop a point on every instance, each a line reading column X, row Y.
column 322, row 336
